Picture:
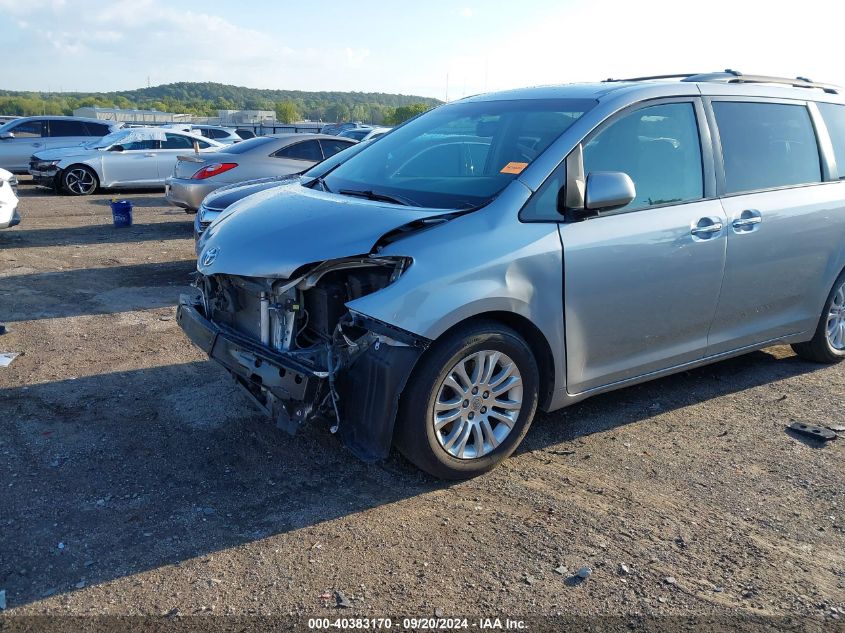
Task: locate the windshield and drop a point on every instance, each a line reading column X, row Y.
column 108, row 140
column 458, row 155
column 247, row 145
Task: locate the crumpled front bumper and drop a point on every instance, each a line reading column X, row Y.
column 368, row 389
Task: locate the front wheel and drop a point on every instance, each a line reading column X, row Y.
column 79, row 180
column 470, row 401
column 828, row 342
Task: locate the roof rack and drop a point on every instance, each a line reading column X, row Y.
column 736, row 77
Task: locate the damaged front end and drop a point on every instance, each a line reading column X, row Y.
column 301, row 354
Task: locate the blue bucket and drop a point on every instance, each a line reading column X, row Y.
column 121, row 211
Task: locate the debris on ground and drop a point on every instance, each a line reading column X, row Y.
column 584, row 572
column 2, row 599
column 839, row 428
column 342, row 601
column 670, row 580
column 6, row 358
column 560, row 570
column 811, row 430
column 624, row 570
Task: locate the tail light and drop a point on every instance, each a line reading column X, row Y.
column 213, row 170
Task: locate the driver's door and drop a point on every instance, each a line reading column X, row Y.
column 29, row 138
column 641, row 284
column 135, row 166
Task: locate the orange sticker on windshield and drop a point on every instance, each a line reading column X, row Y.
column 513, row 168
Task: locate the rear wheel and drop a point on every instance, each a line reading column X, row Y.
column 828, row 342
column 79, row 180
column 470, row 401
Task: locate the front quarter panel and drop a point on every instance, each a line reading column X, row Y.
column 486, row 261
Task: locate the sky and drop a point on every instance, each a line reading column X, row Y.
column 430, row 48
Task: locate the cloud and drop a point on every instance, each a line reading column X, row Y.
column 127, row 40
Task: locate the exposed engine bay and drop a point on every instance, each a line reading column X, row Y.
column 300, row 352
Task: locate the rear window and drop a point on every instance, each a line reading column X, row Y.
column 766, row 145
column 834, row 118
column 248, row 145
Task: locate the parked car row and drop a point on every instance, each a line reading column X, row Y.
column 433, row 289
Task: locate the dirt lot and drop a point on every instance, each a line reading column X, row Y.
column 135, row 478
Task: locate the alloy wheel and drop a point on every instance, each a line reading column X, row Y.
column 836, row 320
column 80, row 181
column 478, row 404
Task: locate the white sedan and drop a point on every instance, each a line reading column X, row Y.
column 128, row 158
column 8, row 200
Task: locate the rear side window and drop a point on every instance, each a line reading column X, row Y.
column 60, row 127
column 332, row 147
column 97, row 129
column 658, row 147
column 834, row 118
column 766, row 145
column 307, row 150
column 177, row 141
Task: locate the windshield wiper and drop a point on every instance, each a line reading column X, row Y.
column 320, row 180
column 369, row 194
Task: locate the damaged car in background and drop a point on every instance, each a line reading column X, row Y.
column 509, row 252
column 9, row 215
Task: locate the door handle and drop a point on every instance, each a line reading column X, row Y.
column 747, row 220
column 37, row 144
column 706, row 228
column 741, row 223
column 150, row 155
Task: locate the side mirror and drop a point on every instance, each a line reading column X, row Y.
column 6, row 136
column 608, row 190
column 116, row 148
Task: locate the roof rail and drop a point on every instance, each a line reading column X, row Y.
column 679, row 75
column 736, row 77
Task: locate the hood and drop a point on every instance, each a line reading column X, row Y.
column 274, row 232
column 64, row 152
column 220, row 199
column 5, row 176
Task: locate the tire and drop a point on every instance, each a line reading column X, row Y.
column 79, row 180
column 828, row 343
column 491, row 436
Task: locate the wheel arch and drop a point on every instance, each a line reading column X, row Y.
column 534, row 337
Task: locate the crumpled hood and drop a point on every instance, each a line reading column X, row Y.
column 65, row 152
column 274, row 232
column 222, row 198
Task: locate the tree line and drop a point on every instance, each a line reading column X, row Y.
column 205, row 99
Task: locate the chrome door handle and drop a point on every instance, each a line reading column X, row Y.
column 744, row 222
column 747, row 221
column 707, row 230
column 149, row 155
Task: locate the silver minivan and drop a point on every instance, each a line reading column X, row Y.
column 21, row 138
column 525, row 250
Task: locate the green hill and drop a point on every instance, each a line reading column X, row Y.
column 205, row 98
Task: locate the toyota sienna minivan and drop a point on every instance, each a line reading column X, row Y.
column 524, row 250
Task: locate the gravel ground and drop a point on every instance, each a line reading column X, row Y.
column 136, row 479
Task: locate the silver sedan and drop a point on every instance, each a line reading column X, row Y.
column 195, row 176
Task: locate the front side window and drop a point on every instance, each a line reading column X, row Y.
column 658, row 147
column 63, row 127
column 307, row 150
column 146, row 144
column 766, row 145
column 28, row 129
column 458, row 155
